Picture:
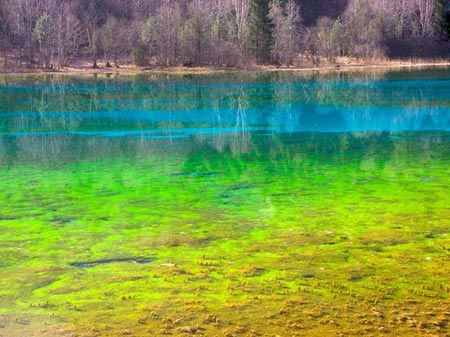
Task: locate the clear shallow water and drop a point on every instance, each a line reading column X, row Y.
column 234, row 204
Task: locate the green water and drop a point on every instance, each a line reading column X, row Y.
column 247, row 204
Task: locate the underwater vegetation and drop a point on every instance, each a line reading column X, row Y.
column 240, row 221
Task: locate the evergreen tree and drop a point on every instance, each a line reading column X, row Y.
column 442, row 15
column 259, row 31
column 43, row 34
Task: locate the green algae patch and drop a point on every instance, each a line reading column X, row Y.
column 351, row 248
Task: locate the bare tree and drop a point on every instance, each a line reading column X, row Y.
column 70, row 34
column 424, row 13
column 364, row 29
column 92, row 13
column 25, row 14
column 169, row 22
column 241, row 9
column 4, row 33
column 220, row 15
column 330, row 38
column 286, row 21
column 197, row 31
column 150, row 40
column 115, row 39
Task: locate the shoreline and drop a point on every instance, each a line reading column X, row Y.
column 132, row 70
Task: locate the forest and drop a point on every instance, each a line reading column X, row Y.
column 218, row 33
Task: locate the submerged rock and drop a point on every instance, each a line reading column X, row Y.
column 90, row 264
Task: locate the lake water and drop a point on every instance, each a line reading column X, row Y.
column 240, row 204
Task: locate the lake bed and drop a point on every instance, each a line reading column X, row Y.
column 241, row 204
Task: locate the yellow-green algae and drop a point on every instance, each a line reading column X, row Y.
column 250, row 234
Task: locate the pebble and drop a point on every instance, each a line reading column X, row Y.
column 189, row 329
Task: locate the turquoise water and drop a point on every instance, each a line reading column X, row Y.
column 239, row 204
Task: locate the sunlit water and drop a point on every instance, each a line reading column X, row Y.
column 251, row 204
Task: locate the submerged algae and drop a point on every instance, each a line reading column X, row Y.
column 250, row 232
column 356, row 243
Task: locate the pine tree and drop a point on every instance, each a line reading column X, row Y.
column 442, row 18
column 259, row 32
column 43, row 32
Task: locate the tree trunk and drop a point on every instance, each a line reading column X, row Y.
column 92, row 45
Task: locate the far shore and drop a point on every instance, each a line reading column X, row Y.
column 342, row 65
